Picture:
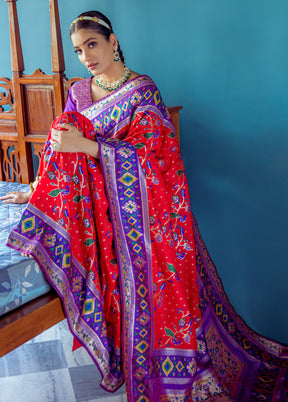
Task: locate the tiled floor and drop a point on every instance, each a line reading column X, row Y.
column 46, row 370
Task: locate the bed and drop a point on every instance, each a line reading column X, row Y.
column 28, row 305
column 21, row 279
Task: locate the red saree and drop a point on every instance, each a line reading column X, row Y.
column 115, row 239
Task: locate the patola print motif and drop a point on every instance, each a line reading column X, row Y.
column 116, row 238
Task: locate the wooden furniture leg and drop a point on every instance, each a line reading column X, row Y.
column 29, row 320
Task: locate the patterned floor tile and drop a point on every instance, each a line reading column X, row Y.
column 86, row 384
column 33, row 358
column 49, row 386
column 46, row 370
column 111, row 398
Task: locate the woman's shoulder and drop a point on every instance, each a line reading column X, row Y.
column 142, row 78
column 134, row 75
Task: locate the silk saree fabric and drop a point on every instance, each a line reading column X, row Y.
column 117, row 240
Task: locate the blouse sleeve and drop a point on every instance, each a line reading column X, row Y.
column 70, row 104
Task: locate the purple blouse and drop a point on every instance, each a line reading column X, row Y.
column 79, row 96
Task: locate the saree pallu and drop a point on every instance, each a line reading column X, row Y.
column 115, row 238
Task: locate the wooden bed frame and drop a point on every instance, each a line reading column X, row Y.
column 34, row 101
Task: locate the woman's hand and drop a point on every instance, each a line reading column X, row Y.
column 16, row 197
column 69, row 139
column 66, row 139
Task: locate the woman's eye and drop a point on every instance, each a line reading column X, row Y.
column 92, row 44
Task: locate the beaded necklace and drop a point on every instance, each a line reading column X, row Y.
column 111, row 86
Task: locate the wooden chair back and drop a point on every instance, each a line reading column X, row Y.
column 34, row 100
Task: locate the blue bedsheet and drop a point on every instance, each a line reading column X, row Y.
column 21, row 279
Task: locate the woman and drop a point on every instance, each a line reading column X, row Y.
column 110, row 224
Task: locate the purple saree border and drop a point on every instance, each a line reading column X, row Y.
column 147, row 241
column 155, row 384
column 252, row 364
column 107, row 160
column 129, row 272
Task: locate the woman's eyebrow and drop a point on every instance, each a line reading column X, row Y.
column 87, row 40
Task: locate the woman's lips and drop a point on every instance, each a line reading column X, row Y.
column 93, row 65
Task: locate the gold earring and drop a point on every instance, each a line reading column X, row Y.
column 116, row 55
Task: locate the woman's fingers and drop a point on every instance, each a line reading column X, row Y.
column 8, row 196
column 56, row 143
column 15, row 197
column 55, row 134
column 64, row 126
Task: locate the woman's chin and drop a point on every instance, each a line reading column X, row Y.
column 94, row 70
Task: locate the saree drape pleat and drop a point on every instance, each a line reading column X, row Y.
column 117, row 240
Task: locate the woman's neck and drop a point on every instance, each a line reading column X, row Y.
column 114, row 73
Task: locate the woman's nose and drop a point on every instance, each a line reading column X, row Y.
column 85, row 56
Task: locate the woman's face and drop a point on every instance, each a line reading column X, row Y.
column 94, row 50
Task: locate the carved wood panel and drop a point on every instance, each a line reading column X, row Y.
column 6, row 96
column 10, row 161
column 39, row 108
column 38, row 150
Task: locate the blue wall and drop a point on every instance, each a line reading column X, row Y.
column 227, row 64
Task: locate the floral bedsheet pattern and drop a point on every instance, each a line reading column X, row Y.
column 21, row 279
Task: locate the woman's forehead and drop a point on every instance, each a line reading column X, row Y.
column 81, row 36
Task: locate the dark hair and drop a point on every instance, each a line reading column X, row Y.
column 99, row 28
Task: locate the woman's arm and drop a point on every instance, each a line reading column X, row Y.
column 70, row 104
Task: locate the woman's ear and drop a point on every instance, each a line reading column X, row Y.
column 113, row 40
